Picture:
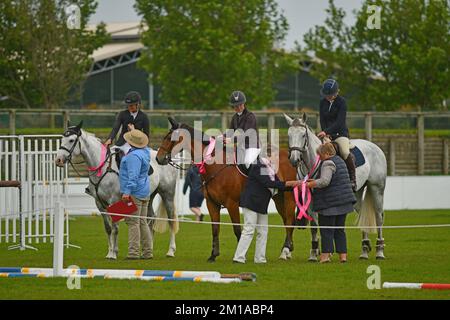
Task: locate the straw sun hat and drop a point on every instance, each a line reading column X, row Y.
column 136, row 138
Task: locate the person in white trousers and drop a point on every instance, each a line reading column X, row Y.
column 255, row 201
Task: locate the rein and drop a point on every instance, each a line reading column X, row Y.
column 303, row 190
column 105, row 157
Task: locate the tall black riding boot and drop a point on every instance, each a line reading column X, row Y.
column 350, row 162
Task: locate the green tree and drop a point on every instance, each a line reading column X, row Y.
column 42, row 60
column 200, row 51
column 404, row 63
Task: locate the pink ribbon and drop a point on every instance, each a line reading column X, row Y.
column 306, row 192
column 209, row 151
column 102, row 162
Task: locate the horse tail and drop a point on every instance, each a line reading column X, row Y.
column 367, row 217
column 162, row 224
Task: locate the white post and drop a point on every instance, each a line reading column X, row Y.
column 22, row 204
column 58, row 241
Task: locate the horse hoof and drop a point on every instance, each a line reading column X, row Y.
column 363, row 257
column 313, row 259
column 289, row 255
column 380, row 257
column 283, row 257
column 211, row 259
column 170, row 255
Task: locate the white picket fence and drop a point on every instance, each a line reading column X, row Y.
column 30, row 160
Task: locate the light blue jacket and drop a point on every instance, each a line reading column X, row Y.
column 133, row 174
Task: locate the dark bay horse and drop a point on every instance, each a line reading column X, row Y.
column 223, row 184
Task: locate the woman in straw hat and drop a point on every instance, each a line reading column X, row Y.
column 134, row 184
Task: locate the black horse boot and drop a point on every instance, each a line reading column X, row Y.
column 350, row 162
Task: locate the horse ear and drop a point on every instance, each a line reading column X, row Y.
column 304, row 117
column 80, row 125
column 289, row 120
column 174, row 124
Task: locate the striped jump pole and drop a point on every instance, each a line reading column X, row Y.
column 409, row 285
column 245, row 276
column 121, row 277
column 116, row 272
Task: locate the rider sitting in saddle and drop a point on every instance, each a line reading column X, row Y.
column 333, row 113
column 243, row 120
column 132, row 118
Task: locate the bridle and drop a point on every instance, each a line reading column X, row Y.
column 303, row 163
column 78, row 133
column 66, row 134
column 305, row 144
column 168, row 155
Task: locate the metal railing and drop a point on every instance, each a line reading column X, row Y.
column 225, row 115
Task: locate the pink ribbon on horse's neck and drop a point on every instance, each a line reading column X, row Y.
column 201, row 165
column 306, row 192
column 102, row 162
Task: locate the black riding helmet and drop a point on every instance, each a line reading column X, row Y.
column 132, row 97
column 329, row 88
column 237, row 98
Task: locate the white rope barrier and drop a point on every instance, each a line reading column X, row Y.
column 274, row 225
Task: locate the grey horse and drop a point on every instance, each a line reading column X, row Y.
column 106, row 188
column 370, row 178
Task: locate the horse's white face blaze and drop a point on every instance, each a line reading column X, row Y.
column 62, row 155
column 297, row 138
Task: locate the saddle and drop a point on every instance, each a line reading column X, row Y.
column 355, row 152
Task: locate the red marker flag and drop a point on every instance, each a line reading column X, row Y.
column 121, row 207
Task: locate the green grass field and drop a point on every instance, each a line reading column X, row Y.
column 413, row 255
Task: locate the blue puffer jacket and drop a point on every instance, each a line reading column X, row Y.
column 133, row 173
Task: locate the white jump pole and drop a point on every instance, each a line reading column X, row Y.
column 58, row 241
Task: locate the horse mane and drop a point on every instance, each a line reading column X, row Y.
column 90, row 134
column 205, row 137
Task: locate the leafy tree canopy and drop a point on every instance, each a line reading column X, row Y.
column 403, row 63
column 45, row 49
column 200, row 51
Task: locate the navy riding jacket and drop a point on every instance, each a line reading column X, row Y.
column 333, row 117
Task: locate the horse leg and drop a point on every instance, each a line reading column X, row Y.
column 314, row 252
column 366, row 247
column 115, row 238
column 288, row 220
column 150, row 222
column 170, row 208
column 214, row 213
column 108, row 229
column 235, row 216
column 378, row 195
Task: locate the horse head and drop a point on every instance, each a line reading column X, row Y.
column 70, row 144
column 299, row 135
column 171, row 143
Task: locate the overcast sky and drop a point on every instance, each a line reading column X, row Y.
column 301, row 14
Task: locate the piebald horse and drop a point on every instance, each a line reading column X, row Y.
column 106, row 188
column 370, row 178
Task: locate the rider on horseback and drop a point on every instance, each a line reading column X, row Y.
column 333, row 112
column 244, row 120
column 132, row 118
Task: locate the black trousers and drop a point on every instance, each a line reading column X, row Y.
column 333, row 237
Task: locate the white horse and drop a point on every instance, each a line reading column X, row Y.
column 106, row 188
column 370, row 177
